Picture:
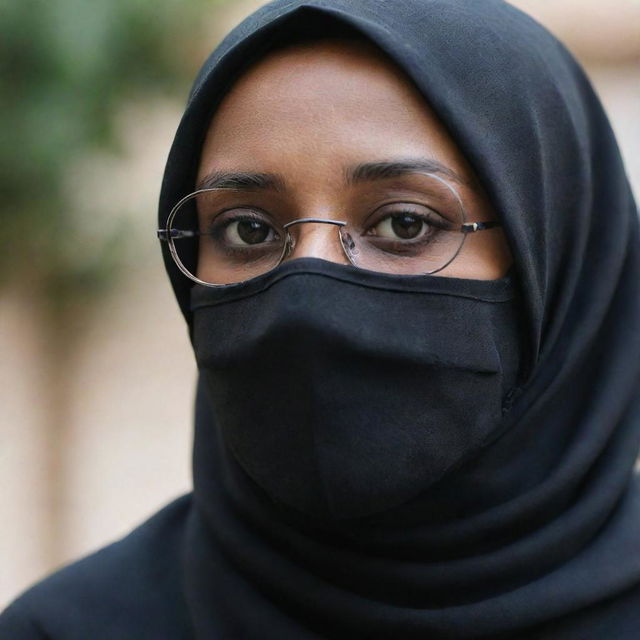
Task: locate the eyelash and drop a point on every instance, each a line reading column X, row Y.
column 217, row 222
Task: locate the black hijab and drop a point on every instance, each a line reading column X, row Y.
column 543, row 520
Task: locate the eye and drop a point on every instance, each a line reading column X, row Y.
column 408, row 224
column 402, row 226
column 249, row 231
column 243, row 228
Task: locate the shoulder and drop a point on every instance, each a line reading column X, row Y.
column 618, row 617
column 129, row 589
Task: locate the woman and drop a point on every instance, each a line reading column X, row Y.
column 407, row 253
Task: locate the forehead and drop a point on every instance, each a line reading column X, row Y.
column 323, row 64
column 337, row 100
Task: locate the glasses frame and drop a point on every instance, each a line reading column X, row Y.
column 168, row 234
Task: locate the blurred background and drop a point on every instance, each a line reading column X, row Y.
column 97, row 374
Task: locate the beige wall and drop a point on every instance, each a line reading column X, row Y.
column 125, row 448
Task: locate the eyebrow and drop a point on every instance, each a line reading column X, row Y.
column 364, row 172
column 370, row 171
column 242, row 181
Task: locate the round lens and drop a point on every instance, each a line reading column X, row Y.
column 218, row 240
column 413, row 235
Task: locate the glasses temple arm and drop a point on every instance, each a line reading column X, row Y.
column 471, row 227
column 163, row 234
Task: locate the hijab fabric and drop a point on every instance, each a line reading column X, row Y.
column 542, row 521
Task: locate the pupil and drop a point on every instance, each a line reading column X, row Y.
column 406, row 226
column 252, row 231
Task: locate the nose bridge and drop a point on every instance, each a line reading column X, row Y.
column 316, row 238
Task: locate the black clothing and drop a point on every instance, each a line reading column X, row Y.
column 92, row 599
column 432, row 352
column 131, row 590
column 533, row 532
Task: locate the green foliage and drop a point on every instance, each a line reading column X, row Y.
column 65, row 68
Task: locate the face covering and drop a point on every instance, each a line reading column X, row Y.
column 343, row 392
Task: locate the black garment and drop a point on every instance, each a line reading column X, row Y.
column 535, row 535
column 132, row 590
column 344, row 392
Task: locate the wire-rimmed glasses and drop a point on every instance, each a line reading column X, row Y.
column 215, row 240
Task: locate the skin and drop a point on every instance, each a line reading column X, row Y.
column 308, row 113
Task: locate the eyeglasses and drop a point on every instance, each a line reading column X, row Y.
column 216, row 239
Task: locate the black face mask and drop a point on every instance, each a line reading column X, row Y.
column 343, row 392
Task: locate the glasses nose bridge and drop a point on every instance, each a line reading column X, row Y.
column 291, row 241
column 338, row 223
